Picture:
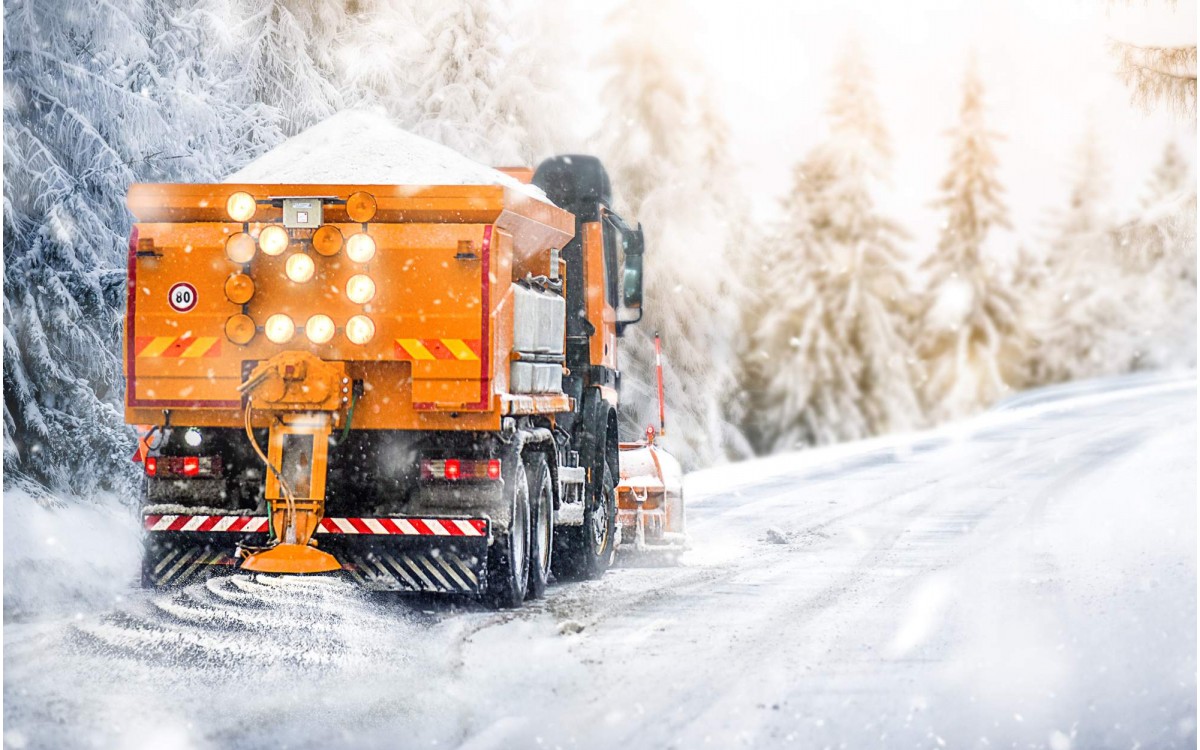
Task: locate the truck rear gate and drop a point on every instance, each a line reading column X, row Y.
column 434, row 555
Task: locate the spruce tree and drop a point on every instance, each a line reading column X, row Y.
column 1169, row 179
column 654, row 155
column 868, row 284
column 830, row 357
column 970, row 325
column 94, row 102
column 801, row 373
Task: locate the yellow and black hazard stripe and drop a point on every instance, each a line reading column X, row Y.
column 177, row 347
column 419, row 350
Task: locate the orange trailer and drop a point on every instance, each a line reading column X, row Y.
column 416, row 385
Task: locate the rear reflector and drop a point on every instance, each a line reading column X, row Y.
column 183, row 466
column 454, row 469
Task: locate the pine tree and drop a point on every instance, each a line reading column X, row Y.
column 1169, row 179
column 645, row 101
column 833, row 362
column 971, row 332
column 94, row 102
column 458, row 76
column 1085, row 312
column 653, row 154
column 802, row 374
column 530, row 99
column 869, row 285
column 287, row 57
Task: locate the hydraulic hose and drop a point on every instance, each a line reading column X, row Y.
column 283, row 485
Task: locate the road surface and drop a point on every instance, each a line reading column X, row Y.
column 1025, row 579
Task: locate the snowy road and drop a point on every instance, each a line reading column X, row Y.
column 1026, row 579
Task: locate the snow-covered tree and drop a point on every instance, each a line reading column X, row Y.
column 801, row 372
column 1079, row 323
column 287, row 56
column 971, row 338
column 871, row 284
column 1159, row 75
column 94, row 101
column 654, row 153
column 836, row 365
column 642, row 141
column 531, row 101
column 458, row 75
column 1169, row 179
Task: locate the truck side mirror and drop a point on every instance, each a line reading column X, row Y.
column 633, row 281
column 631, row 298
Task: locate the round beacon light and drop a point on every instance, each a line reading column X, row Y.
column 360, row 329
column 360, row 248
column 241, row 206
column 240, row 248
column 240, row 329
column 273, row 239
column 239, row 288
column 361, row 207
column 279, row 328
column 327, row 240
column 360, row 288
column 300, row 268
column 319, row 328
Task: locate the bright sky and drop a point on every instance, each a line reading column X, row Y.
column 1045, row 63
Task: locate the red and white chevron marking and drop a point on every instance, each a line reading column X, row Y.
column 244, row 524
column 406, row 526
column 386, row 526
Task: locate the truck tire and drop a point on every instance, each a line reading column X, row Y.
column 587, row 551
column 508, row 557
column 541, row 531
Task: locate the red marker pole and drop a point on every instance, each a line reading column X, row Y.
column 662, row 405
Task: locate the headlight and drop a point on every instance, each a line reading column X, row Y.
column 279, row 328
column 360, row 207
column 240, row 248
column 240, row 329
column 360, row 248
column 319, row 329
column 300, row 268
column 241, row 206
column 360, row 329
column 239, row 288
column 360, row 289
column 273, row 239
column 327, row 240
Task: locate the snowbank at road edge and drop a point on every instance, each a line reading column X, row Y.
column 81, row 556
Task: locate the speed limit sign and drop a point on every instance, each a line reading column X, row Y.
column 182, row 297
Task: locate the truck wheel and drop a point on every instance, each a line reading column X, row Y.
column 586, row 551
column 508, row 558
column 541, row 542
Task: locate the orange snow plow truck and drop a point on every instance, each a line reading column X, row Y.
column 415, row 385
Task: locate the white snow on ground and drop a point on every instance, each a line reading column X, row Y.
column 1024, row 579
column 364, row 147
column 63, row 560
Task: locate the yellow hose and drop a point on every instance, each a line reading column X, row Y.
column 290, row 520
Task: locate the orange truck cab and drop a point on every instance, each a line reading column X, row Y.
column 414, row 385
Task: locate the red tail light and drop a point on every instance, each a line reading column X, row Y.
column 455, row 469
column 187, row 467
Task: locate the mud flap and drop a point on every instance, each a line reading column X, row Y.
column 427, row 555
